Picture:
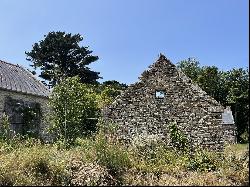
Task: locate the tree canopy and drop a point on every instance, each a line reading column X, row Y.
column 59, row 56
column 230, row 88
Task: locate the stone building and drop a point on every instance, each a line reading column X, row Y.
column 163, row 95
column 23, row 98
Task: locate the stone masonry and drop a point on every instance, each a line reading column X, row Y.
column 26, row 98
column 163, row 95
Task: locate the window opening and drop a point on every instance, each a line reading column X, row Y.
column 159, row 94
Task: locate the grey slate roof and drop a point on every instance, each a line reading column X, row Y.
column 16, row 78
column 227, row 116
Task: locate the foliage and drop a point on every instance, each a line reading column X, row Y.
column 106, row 96
column 147, row 145
column 230, row 88
column 191, row 67
column 92, row 161
column 211, row 80
column 74, row 110
column 245, row 136
column 114, row 84
column 59, row 56
column 108, row 91
column 112, row 156
column 28, row 114
column 32, row 166
column 178, row 138
column 31, row 120
column 5, row 131
column 237, row 83
column 203, row 161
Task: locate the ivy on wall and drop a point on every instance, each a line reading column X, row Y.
column 24, row 116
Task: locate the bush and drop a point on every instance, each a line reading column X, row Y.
column 114, row 157
column 106, row 96
column 5, row 131
column 178, row 138
column 74, row 110
column 204, row 161
column 147, row 146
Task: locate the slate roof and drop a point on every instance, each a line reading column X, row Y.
column 16, row 78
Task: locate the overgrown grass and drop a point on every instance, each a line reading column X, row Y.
column 100, row 161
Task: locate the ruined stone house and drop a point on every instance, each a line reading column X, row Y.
column 23, row 98
column 164, row 94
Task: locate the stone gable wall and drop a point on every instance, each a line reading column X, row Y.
column 4, row 94
column 137, row 111
column 229, row 132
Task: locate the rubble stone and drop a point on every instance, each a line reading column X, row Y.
column 198, row 115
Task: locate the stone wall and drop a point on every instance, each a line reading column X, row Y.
column 5, row 95
column 137, row 110
column 229, row 132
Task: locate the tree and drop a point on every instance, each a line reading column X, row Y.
column 108, row 91
column 190, row 67
column 59, row 56
column 210, row 79
column 237, row 83
column 115, row 84
column 74, row 109
column 230, row 88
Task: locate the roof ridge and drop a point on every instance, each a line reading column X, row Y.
column 17, row 65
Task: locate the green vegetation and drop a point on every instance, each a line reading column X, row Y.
column 5, row 131
column 102, row 161
column 75, row 107
column 74, row 110
column 230, row 88
column 31, row 120
column 80, row 157
column 59, row 56
column 86, row 151
column 178, row 139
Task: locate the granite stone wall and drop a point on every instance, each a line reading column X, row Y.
column 163, row 95
column 27, row 99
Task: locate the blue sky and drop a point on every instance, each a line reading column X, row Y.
column 128, row 35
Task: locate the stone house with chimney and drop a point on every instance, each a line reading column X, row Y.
column 23, row 98
column 163, row 95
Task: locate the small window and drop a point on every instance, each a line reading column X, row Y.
column 159, row 94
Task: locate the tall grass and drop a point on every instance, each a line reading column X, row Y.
column 102, row 161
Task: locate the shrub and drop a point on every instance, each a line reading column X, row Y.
column 114, row 157
column 106, row 96
column 5, row 131
column 147, row 145
column 204, row 161
column 178, row 138
column 74, row 109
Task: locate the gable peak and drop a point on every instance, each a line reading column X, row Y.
column 162, row 60
column 162, row 57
